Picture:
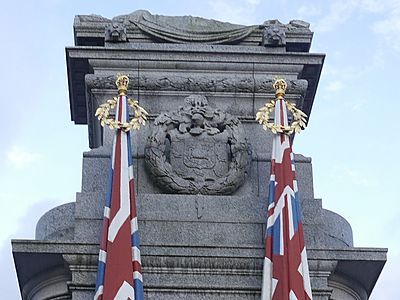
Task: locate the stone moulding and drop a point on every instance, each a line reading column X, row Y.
column 328, row 269
column 48, row 285
column 197, row 83
column 197, row 150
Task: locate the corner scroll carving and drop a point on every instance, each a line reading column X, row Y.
column 115, row 33
column 274, row 34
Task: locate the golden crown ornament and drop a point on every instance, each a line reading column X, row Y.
column 103, row 112
column 280, row 87
column 122, row 83
column 299, row 118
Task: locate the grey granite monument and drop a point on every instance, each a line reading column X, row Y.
column 201, row 164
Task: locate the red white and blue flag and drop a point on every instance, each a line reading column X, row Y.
column 285, row 274
column 119, row 274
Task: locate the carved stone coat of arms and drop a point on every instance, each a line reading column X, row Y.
column 197, row 150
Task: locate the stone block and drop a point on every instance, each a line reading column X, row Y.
column 57, row 224
column 163, row 233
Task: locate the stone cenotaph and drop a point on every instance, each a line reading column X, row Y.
column 202, row 163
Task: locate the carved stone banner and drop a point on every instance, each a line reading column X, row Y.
column 196, row 30
column 197, row 150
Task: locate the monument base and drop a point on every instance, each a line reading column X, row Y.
column 67, row 270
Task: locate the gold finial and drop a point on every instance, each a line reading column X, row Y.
column 280, row 86
column 122, row 84
column 299, row 118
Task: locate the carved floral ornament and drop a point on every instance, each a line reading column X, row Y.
column 197, row 150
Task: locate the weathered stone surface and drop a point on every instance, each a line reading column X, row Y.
column 115, row 33
column 186, row 29
column 274, row 34
column 50, row 285
column 197, row 149
column 221, row 72
column 235, row 83
column 142, row 26
column 57, row 224
column 219, row 271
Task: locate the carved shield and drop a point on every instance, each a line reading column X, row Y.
column 197, row 149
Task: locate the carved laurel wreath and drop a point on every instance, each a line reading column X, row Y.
column 299, row 119
column 103, row 112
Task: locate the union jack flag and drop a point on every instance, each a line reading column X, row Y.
column 119, row 275
column 285, row 274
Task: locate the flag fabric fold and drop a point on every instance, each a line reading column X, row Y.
column 285, row 273
column 119, row 275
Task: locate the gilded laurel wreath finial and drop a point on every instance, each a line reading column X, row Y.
column 299, row 118
column 103, row 112
column 122, row 83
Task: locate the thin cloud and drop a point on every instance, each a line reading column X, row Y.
column 19, row 157
column 340, row 11
column 389, row 28
column 375, row 6
column 352, row 176
column 335, row 86
column 359, row 104
column 306, row 11
column 253, row 2
column 239, row 12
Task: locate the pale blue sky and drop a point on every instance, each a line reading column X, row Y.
column 352, row 134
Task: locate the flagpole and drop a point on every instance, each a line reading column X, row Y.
column 285, row 271
column 119, row 273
